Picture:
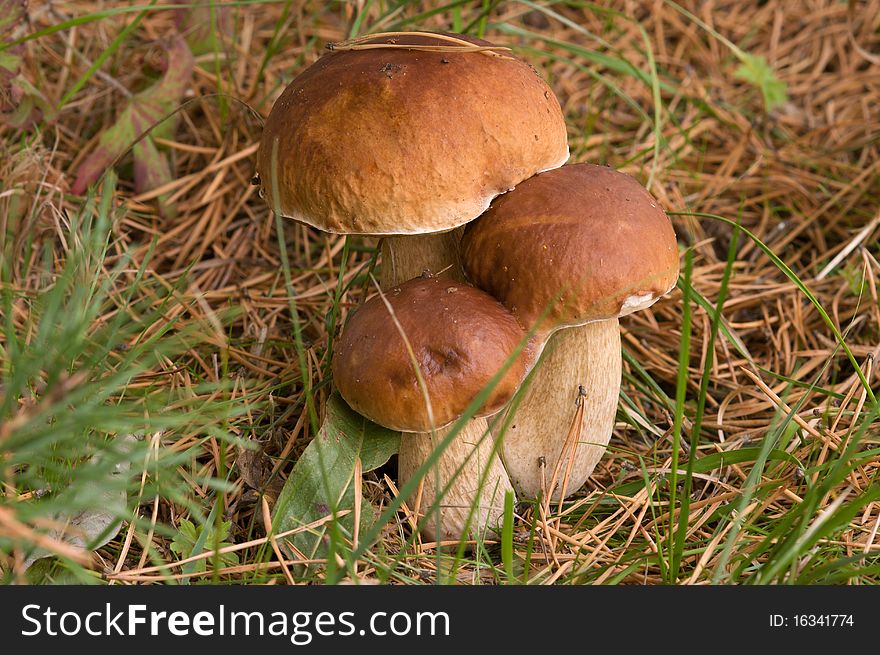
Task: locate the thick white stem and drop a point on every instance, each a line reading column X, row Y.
column 473, row 506
column 587, row 356
column 403, row 258
column 406, row 257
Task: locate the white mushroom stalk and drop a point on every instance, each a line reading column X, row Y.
column 578, row 365
column 465, row 488
column 407, row 256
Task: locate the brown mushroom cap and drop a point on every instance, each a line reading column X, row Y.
column 402, row 141
column 460, row 337
column 588, row 239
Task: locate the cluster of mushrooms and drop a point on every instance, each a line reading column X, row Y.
column 499, row 264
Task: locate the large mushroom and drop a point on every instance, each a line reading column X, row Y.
column 408, row 136
column 570, row 251
column 413, row 361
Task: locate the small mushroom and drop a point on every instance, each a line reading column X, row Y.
column 459, row 338
column 577, row 248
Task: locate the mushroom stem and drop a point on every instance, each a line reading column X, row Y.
column 480, row 485
column 407, row 256
column 587, row 356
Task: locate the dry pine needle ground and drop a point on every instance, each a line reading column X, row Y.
column 803, row 177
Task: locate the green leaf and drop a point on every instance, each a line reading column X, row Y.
column 9, row 63
column 20, row 102
column 205, row 23
column 186, row 538
column 755, row 70
column 145, row 113
column 93, row 526
column 189, row 540
column 321, row 481
column 12, row 13
column 151, row 170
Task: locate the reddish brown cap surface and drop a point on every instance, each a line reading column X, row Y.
column 402, row 141
column 586, row 238
column 460, row 337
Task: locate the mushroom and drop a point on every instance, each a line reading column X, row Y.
column 459, row 338
column 408, row 136
column 576, row 248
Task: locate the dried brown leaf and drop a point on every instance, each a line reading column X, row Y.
column 145, row 111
